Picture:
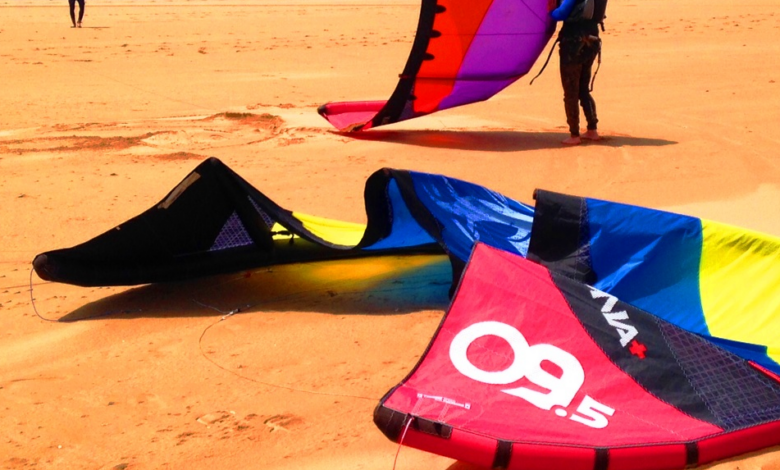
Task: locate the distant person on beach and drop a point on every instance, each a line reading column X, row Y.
column 580, row 44
column 76, row 24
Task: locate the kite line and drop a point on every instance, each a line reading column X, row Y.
column 229, row 313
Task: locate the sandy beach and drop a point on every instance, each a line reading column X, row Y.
column 97, row 124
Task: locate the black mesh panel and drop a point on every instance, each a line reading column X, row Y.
column 736, row 393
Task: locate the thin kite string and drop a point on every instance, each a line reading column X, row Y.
column 93, row 71
column 229, row 314
column 401, row 441
column 59, row 320
column 32, row 300
column 225, row 316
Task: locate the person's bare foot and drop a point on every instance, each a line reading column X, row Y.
column 573, row 140
column 592, row 134
column 78, row 25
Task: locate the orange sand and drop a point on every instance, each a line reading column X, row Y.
column 98, row 123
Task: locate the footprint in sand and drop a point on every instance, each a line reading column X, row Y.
column 282, row 422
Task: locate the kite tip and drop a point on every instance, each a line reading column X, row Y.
column 43, row 267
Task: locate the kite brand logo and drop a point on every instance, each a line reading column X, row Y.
column 617, row 320
column 527, row 363
column 445, row 400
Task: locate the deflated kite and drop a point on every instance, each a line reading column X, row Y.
column 215, row 222
column 530, row 368
column 711, row 279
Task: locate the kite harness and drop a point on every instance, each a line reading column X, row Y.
column 575, row 11
column 589, row 40
column 552, row 48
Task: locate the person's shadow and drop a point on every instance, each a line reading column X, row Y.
column 493, row 140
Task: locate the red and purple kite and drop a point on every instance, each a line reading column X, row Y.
column 465, row 51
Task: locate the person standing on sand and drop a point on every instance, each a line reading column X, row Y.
column 580, row 44
column 76, row 24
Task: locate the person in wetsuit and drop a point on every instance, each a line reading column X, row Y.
column 579, row 45
column 76, row 24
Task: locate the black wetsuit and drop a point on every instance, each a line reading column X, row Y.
column 579, row 47
column 73, row 11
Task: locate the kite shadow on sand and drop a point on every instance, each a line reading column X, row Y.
column 388, row 285
column 495, row 140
